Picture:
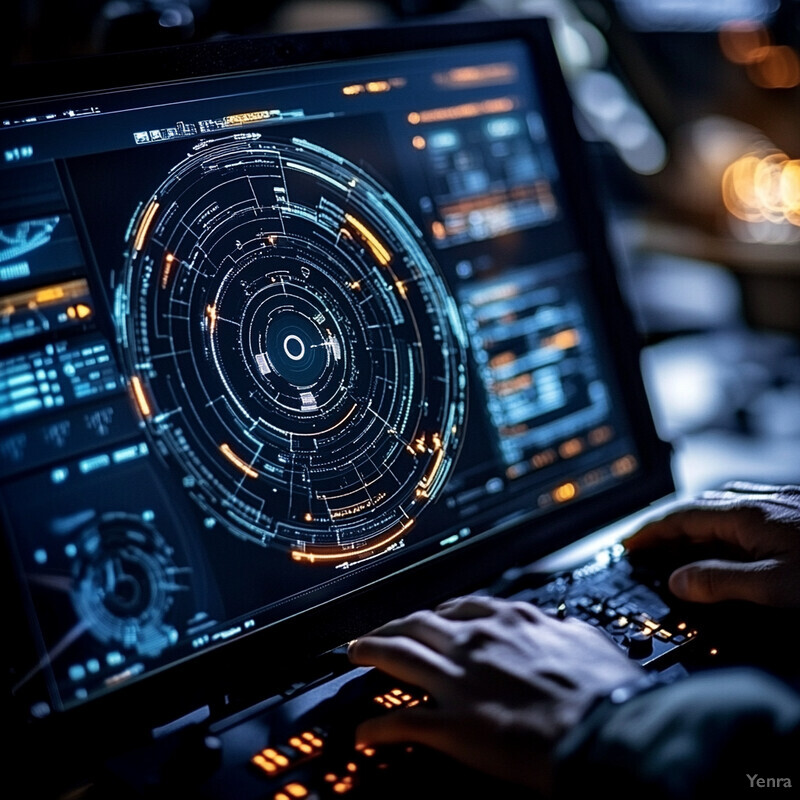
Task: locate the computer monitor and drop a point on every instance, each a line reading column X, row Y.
column 296, row 334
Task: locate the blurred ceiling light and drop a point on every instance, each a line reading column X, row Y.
column 778, row 67
column 768, row 65
column 609, row 110
column 692, row 15
column 716, row 141
column 618, row 119
column 762, row 190
column 572, row 46
column 741, row 41
column 790, row 191
column 580, row 44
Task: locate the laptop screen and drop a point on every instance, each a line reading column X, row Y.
column 285, row 348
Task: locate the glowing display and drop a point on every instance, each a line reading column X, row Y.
column 538, row 365
column 237, row 389
column 288, row 399
column 33, row 311
column 124, row 582
column 486, row 176
column 373, row 87
column 478, row 75
column 37, row 247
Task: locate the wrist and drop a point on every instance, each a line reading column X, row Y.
column 605, row 706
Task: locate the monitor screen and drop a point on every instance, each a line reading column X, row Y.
column 274, row 340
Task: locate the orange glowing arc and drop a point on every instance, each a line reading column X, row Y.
column 237, row 462
column 144, row 225
column 321, row 555
column 141, row 397
column 378, row 250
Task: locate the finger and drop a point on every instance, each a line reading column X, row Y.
column 717, row 497
column 713, row 581
column 467, row 607
column 478, row 606
column 427, row 627
column 667, row 530
column 404, row 659
column 740, row 500
column 744, row 487
column 696, row 525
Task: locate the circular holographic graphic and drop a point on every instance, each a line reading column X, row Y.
column 292, row 347
column 124, row 584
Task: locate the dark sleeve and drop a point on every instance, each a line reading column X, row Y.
column 712, row 734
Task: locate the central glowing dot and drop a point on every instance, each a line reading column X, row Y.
column 293, row 347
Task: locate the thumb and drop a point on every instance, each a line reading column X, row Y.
column 715, row 580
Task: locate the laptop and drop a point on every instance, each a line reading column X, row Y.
column 297, row 334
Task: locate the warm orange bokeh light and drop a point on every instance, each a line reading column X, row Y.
column 759, row 188
column 778, row 67
column 742, row 42
column 768, row 65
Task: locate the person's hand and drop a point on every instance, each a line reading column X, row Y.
column 761, row 527
column 507, row 681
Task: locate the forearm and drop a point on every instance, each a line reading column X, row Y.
column 720, row 731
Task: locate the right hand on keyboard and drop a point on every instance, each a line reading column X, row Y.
column 507, row 682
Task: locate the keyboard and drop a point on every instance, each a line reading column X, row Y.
column 627, row 602
column 300, row 746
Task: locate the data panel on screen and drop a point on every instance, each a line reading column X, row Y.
column 267, row 340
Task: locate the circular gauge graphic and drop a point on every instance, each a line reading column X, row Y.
column 292, row 347
column 124, row 582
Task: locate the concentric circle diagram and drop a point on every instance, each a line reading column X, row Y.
column 124, row 582
column 292, row 347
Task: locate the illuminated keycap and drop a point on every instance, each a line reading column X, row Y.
column 263, row 763
column 270, row 760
